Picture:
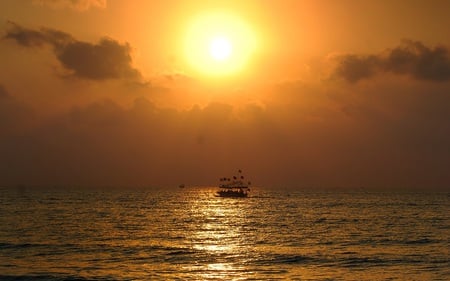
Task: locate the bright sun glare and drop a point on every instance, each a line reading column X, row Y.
column 218, row 44
column 220, row 48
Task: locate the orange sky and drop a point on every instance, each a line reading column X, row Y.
column 315, row 94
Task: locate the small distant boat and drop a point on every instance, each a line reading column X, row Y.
column 233, row 187
column 182, row 185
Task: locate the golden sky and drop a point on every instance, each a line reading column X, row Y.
column 296, row 93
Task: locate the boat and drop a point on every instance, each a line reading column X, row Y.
column 233, row 187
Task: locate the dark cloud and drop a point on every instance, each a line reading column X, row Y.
column 411, row 58
column 105, row 60
column 26, row 37
column 37, row 38
column 420, row 61
column 108, row 59
column 354, row 68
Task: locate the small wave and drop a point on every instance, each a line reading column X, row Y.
column 49, row 278
column 286, row 259
column 13, row 246
column 360, row 262
column 363, row 261
column 181, row 252
column 19, row 245
column 320, row 220
column 419, row 241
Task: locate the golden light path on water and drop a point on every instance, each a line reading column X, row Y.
column 221, row 233
column 227, row 232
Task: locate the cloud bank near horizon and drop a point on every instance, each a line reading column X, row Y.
column 355, row 138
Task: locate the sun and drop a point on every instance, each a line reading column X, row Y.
column 220, row 48
column 218, row 44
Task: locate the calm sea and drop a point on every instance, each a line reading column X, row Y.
column 189, row 234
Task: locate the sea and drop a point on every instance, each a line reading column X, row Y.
column 188, row 233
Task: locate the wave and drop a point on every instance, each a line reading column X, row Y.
column 419, row 241
column 90, row 246
column 4, row 246
column 285, row 259
column 50, row 278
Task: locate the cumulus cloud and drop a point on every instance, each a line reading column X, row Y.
column 354, row 68
column 104, row 60
column 80, row 5
column 107, row 59
column 411, row 58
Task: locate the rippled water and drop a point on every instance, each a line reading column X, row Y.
column 188, row 234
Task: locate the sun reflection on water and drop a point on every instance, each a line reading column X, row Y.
column 221, row 236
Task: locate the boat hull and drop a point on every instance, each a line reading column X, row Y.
column 228, row 193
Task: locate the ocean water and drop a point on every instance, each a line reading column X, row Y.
column 189, row 234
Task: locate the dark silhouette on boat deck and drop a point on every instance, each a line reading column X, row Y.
column 235, row 187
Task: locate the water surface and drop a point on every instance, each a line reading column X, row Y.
column 189, row 234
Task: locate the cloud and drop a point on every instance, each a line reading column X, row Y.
column 354, row 68
column 411, row 58
column 420, row 61
column 385, row 138
column 3, row 93
column 107, row 59
column 79, row 5
column 14, row 115
column 37, row 38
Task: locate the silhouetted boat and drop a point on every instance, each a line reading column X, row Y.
column 182, row 186
column 233, row 187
